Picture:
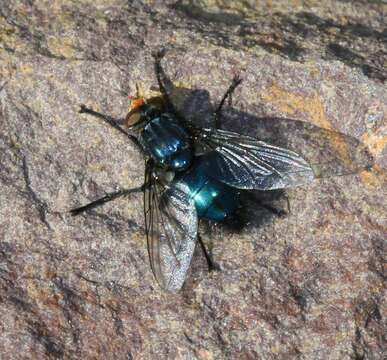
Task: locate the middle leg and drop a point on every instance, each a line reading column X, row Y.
column 218, row 112
column 108, row 197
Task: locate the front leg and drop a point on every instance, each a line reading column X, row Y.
column 163, row 81
column 110, row 121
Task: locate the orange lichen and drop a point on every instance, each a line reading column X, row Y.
column 290, row 103
column 375, row 179
column 376, row 143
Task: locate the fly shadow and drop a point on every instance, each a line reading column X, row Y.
column 330, row 153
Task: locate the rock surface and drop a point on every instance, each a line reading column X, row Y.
column 310, row 285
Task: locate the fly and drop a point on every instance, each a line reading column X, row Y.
column 181, row 186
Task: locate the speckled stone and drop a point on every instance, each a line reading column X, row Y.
column 308, row 285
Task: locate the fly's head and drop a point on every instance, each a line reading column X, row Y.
column 143, row 110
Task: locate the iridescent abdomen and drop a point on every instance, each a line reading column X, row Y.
column 214, row 200
column 168, row 143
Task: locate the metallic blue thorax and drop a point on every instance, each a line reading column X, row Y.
column 214, row 200
column 167, row 142
column 170, row 146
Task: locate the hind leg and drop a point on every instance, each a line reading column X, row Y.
column 211, row 264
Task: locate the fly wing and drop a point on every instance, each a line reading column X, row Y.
column 171, row 224
column 246, row 163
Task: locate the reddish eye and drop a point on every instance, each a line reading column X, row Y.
column 133, row 118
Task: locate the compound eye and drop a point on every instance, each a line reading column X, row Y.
column 133, row 118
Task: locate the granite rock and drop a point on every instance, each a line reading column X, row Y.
column 308, row 285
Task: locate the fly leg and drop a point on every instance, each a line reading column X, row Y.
column 108, row 197
column 212, row 266
column 218, row 112
column 164, row 83
column 110, row 121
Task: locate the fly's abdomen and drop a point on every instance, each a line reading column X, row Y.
column 213, row 199
column 168, row 143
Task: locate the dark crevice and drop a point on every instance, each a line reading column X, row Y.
column 299, row 296
column 26, row 308
column 41, row 206
column 39, row 331
column 2, row 87
column 287, row 34
column 72, row 304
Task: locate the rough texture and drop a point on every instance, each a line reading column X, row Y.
column 310, row 285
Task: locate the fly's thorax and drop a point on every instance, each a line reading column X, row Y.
column 167, row 142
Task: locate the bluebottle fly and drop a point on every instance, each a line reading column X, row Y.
column 193, row 173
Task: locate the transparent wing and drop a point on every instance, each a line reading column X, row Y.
column 246, row 163
column 171, row 229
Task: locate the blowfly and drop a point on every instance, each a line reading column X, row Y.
column 193, row 173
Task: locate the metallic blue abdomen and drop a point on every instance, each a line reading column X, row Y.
column 214, row 200
column 168, row 143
